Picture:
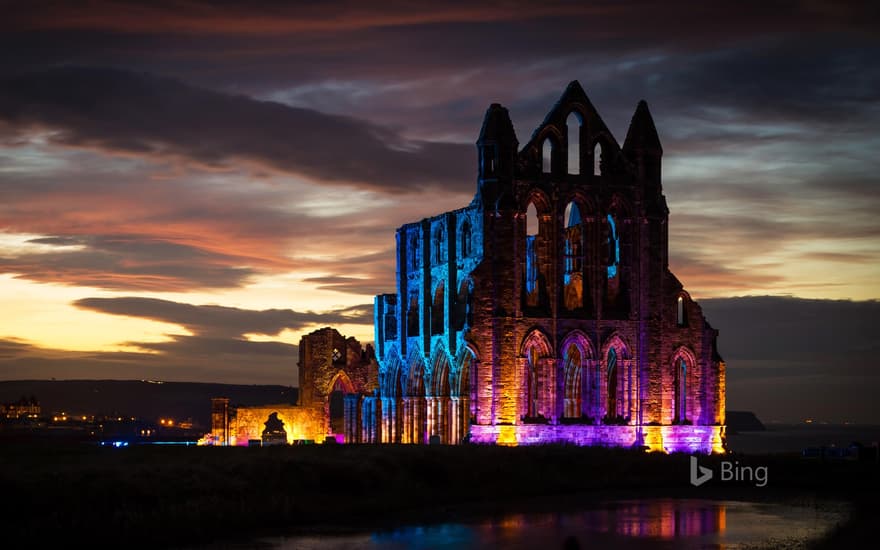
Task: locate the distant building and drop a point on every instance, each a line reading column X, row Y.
column 23, row 408
column 335, row 372
column 545, row 310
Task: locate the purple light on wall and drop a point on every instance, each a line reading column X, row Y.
column 670, row 439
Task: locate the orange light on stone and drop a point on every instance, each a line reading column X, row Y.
column 507, row 436
column 718, row 440
column 654, row 439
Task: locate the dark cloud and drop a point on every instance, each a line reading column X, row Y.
column 119, row 111
column 353, row 285
column 185, row 358
column 221, row 321
column 128, row 262
column 188, row 347
column 793, row 358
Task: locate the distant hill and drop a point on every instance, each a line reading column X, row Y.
column 143, row 399
column 743, row 421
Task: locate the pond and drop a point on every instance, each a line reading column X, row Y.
column 625, row 524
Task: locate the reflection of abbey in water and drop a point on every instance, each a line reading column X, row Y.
column 545, row 311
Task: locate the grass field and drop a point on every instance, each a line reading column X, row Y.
column 150, row 496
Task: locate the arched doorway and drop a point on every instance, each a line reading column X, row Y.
column 539, row 396
column 440, row 401
column 573, row 372
column 416, row 405
column 274, row 432
column 335, row 406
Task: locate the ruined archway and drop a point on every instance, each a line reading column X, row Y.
column 274, row 432
column 538, row 378
column 339, row 386
column 439, row 406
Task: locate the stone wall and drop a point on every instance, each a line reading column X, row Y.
column 687, row 439
column 300, row 423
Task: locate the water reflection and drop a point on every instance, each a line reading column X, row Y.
column 648, row 523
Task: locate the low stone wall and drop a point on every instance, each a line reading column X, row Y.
column 299, row 423
column 690, row 439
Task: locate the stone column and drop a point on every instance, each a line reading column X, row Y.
column 431, row 423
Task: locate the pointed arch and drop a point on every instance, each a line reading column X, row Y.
column 462, row 375
column 573, row 360
column 582, row 382
column 617, row 235
column 413, row 248
column 438, row 250
column 343, row 381
column 533, row 226
column 334, row 406
column 536, row 338
column 439, row 408
column 537, row 213
column 463, row 390
column 572, row 215
column 413, row 318
column 547, row 153
column 440, row 372
column 574, row 122
column 612, row 246
column 683, row 369
column 615, row 340
column 438, row 309
column 618, row 378
column 415, row 414
column 597, row 158
column 619, row 207
column 390, row 372
column 547, row 147
column 579, row 339
column 682, row 300
column 538, row 375
column 464, row 304
column 466, row 245
column 573, row 257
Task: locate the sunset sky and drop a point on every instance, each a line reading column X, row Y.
column 187, row 188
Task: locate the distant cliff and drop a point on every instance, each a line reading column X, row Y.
column 147, row 400
column 743, row 421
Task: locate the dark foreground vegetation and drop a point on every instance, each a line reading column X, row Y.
column 149, row 496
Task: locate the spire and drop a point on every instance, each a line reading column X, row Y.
column 642, row 134
column 497, row 145
column 497, row 127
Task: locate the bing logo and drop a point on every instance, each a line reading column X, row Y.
column 730, row 471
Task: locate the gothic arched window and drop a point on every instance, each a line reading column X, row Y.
column 613, row 244
column 680, row 390
column 465, row 239
column 612, row 383
column 532, row 231
column 573, row 122
column 413, row 249
column 437, row 245
column 547, row 156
